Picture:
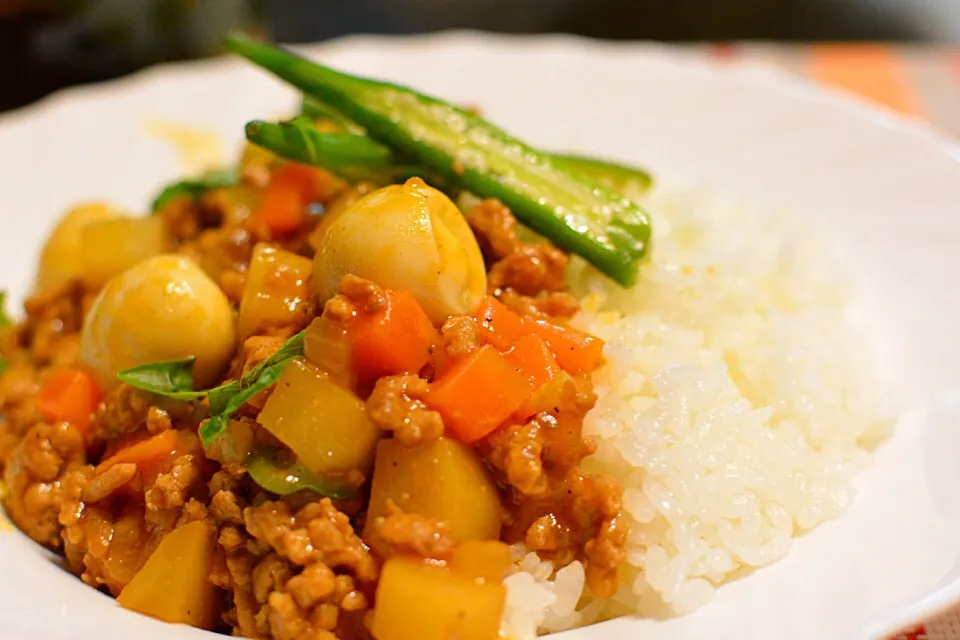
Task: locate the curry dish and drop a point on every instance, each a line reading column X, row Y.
column 319, row 397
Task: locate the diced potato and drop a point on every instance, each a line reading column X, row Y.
column 174, row 584
column 60, row 259
column 427, row 602
column 233, row 445
column 486, row 560
column 276, row 290
column 110, row 247
column 325, row 344
column 320, row 421
column 444, row 480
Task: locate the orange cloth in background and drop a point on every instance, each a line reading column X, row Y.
column 872, row 71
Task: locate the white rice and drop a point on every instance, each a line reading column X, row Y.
column 737, row 404
column 540, row 599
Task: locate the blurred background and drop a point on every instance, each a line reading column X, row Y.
column 47, row 44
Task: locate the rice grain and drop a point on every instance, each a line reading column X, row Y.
column 736, row 405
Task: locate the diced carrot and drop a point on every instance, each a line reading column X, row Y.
column 443, row 361
column 575, row 351
column 531, row 357
column 397, row 338
column 156, row 454
column 281, row 209
column 499, row 326
column 477, row 394
column 122, row 442
column 69, row 395
column 301, row 178
column 283, row 203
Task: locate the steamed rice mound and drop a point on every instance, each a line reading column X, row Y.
column 737, row 404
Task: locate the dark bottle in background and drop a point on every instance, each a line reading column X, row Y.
column 47, row 44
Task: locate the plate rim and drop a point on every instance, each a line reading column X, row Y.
column 679, row 56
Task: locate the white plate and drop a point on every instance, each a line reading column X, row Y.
column 889, row 191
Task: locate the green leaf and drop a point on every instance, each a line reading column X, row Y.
column 230, row 404
column 5, row 319
column 196, row 187
column 4, row 364
column 172, row 379
column 228, row 398
column 284, row 476
column 291, row 348
column 219, row 396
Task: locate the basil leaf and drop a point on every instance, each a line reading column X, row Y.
column 217, row 423
column 4, row 364
column 172, row 192
column 220, row 396
column 291, row 348
column 5, row 319
column 196, row 187
column 228, row 398
column 173, row 379
column 284, row 477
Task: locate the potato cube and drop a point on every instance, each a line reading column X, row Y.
column 174, row 584
column 419, row 600
column 276, row 290
column 444, row 480
column 324, row 424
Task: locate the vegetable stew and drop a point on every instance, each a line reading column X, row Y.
column 309, row 396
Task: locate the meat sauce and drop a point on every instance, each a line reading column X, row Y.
column 295, row 566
